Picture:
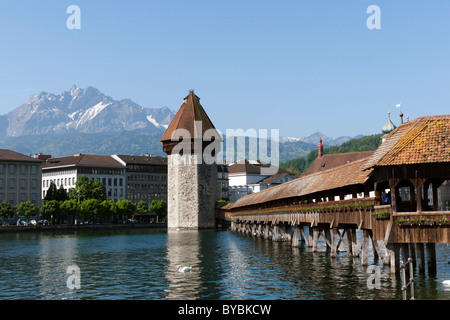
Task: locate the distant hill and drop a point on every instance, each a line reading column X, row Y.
column 365, row 143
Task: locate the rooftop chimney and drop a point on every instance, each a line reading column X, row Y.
column 320, row 147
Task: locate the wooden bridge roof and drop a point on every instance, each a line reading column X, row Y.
column 423, row 140
column 345, row 175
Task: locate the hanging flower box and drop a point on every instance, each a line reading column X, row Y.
column 443, row 223
column 381, row 215
column 426, row 224
column 406, row 224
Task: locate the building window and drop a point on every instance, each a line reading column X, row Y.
column 1, row 183
column 1, row 168
column 22, row 183
column 12, row 168
column 34, row 197
column 11, row 198
column 12, row 183
column 33, row 169
column 33, row 183
column 22, row 197
column 23, row 169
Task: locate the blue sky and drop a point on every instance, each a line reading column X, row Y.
column 298, row 66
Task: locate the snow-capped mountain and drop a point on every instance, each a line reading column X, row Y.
column 81, row 110
column 314, row 139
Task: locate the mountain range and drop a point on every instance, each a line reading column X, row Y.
column 81, row 111
column 88, row 121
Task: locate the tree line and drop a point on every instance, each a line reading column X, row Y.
column 87, row 201
column 301, row 164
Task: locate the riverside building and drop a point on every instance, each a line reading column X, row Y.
column 20, row 177
column 146, row 177
column 64, row 172
column 128, row 177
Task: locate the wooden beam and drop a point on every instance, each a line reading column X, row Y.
column 431, row 258
column 334, row 242
column 420, row 257
column 365, row 248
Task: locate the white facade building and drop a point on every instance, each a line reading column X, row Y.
column 246, row 177
column 64, row 172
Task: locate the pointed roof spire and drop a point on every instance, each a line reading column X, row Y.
column 389, row 126
column 188, row 117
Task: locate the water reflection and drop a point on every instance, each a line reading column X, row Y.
column 142, row 264
column 183, row 248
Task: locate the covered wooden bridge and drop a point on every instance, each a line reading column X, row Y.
column 395, row 195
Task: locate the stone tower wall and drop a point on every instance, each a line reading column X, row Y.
column 192, row 191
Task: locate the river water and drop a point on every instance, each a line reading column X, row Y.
column 142, row 264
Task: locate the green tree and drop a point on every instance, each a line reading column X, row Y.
column 27, row 209
column 61, row 194
column 50, row 209
column 51, row 192
column 159, row 207
column 71, row 208
column 87, row 188
column 6, row 210
column 111, row 205
column 90, row 208
column 126, row 208
column 141, row 207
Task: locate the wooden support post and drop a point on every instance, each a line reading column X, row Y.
column 420, row 257
column 348, row 232
column 296, row 236
column 287, row 232
column 431, row 258
column 354, row 244
column 277, row 233
column 395, row 259
column 376, row 248
column 304, row 238
column 310, row 237
column 266, row 231
column 365, row 248
column 315, row 239
column 334, row 242
column 327, row 237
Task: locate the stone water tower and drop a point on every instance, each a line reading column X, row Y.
column 191, row 143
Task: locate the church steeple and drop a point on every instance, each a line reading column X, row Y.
column 389, row 126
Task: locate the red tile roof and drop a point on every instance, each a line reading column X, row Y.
column 424, row 140
column 249, row 167
column 346, row 175
column 189, row 112
column 330, row 161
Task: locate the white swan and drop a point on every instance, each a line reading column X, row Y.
column 183, row 269
column 446, row 282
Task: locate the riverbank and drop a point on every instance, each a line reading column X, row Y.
column 63, row 227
